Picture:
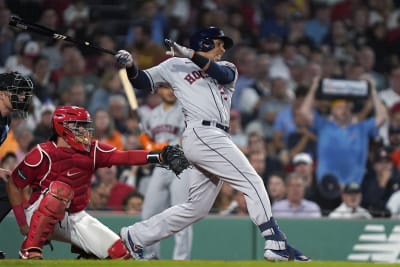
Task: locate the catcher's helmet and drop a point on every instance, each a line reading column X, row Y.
column 20, row 89
column 74, row 125
column 202, row 40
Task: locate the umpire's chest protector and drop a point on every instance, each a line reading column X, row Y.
column 71, row 167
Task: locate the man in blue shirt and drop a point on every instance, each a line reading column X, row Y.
column 342, row 141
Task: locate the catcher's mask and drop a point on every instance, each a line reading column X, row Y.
column 19, row 88
column 202, row 40
column 74, row 125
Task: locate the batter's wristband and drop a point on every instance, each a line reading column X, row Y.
column 200, row 61
column 19, row 214
column 133, row 71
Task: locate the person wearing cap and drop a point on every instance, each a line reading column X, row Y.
column 381, row 181
column 342, row 146
column 350, row 207
column 303, row 165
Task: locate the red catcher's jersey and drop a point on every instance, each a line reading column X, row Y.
column 47, row 162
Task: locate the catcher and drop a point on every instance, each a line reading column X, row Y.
column 59, row 173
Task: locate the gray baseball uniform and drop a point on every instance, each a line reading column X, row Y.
column 165, row 189
column 207, row 144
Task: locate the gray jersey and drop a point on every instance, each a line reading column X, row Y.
column 194, row 88
column 165, row 125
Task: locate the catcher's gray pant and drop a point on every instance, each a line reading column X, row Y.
column 213, row 152
column 165, row 189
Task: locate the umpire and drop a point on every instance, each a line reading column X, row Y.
column 15, row 96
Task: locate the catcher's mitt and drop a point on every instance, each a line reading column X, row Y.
column 174, row 158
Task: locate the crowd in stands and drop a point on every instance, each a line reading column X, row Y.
column 316, row 157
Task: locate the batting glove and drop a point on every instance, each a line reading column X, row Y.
column 177, row 50
column 124, row 58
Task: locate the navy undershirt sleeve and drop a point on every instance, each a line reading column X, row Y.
column 223, row 74
column 141, row 82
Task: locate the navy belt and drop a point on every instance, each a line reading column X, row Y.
column 218, row 125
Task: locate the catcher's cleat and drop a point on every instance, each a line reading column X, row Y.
column 135, row 250
column 31, row 254
column 288, row 254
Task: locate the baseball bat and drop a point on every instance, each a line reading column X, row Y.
column 128, row 88
column 18, row 23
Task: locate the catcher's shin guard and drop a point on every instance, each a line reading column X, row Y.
column 51, row 210
column 118, row 250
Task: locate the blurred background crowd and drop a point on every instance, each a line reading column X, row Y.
column 280, row 46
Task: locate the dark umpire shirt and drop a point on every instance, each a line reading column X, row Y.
column 4, row 128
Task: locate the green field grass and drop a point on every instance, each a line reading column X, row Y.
column 194, row 263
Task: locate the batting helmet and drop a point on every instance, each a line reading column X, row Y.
column 20, row 89
column 74, row 125
column 202, row 40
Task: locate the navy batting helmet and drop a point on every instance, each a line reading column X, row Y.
column 202, row 40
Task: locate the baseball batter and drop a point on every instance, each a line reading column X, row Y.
column 59, row 173
column 204, row 86
column 165, row 125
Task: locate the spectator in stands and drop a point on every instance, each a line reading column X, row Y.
column 276, row 186
column 253, row 94
column 284, row 123
column 259, row 147
column 303, row 139
column 391, row 95
column 278, row 23
column 318, row 26
column 236, row 131
column 110, row 84
column 303, row 165
column 366, row 58
column 244, row 57
column 350, row 207
column 42, row 131
column 380, row 183
column 295, row 205
column 133, row 203
column 23, row 63
column 99, row 194
column 342, row 146
column 148, row 52
column 269, row 107
column 118, row 190
column 74, row 71
column 100, row 63
column 24, row 137
column 104, row 129
column 75, row 95
column 44, row 87
column 118, row 109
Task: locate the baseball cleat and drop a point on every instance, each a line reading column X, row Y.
column 31, row 254
column 288, row 254
column 135, row 250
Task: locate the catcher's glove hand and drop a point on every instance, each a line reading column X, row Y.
column 174, row 158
